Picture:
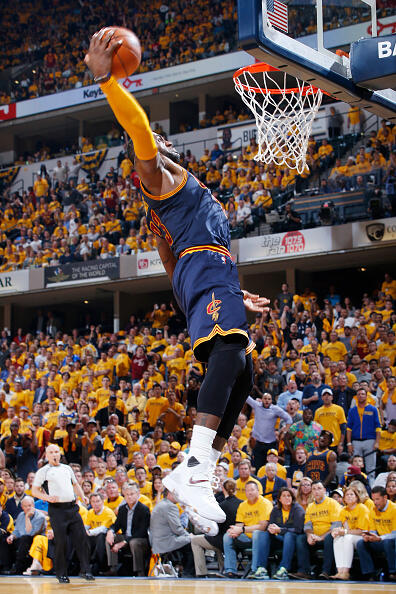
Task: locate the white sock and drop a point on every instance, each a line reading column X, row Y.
column 36, row 565
column 201, row 443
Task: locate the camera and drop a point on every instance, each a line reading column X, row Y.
column 327, row 214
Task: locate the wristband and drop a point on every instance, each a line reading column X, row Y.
column 102, row 79
column 349, row 444
column 243, row 528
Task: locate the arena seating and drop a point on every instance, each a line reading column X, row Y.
column 357, row 188
column 53, row 383
column 192, row 31
column 122, row 405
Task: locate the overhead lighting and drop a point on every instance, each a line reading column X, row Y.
column 33, row 71
column 362, row 269
column 17, row 82
column 86, row 302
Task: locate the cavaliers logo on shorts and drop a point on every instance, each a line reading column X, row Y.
column 213, row 308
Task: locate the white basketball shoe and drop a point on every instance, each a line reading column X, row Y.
column 191, row 484
column 207, row 527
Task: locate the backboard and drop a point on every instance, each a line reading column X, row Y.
column 301, row 37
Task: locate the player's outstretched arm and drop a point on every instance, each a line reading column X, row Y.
column 130, row 115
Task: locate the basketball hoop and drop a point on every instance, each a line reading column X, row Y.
column 284, row 115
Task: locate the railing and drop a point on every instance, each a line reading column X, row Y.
column 181, row 147
column 18, row 186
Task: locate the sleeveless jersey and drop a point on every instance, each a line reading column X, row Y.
column 188, row 216
column 205, row 279
column 317, row 465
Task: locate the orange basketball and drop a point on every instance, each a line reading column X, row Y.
column 126, row 58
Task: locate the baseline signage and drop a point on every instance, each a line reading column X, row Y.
column 149, row 263
column 374, row 232
column 82, row 273
column 285, row 245
column 14, row 282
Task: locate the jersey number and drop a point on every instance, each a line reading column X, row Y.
column 158, row 228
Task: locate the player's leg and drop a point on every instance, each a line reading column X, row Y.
column 241, row 390
column 226, row 365
column 191, row 481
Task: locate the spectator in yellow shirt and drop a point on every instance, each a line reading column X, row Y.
column 244, row 469
column 389, row 286
column 332, row 418
column 213, row 178
column 40, row 187
column 122, row 363
column 126, row 167
column 160, row 315
column 154, row 405
column 380, row 539
column 355, row 520
column 335, row 349
column 251, row 521
column 172, row 414
column 206, row 156
column 354, row 118
column 321, row 518
column 325, row 153
column 384, row 134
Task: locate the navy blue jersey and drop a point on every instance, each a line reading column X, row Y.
column 205, row 279
column 317, row 465
column 188, row 216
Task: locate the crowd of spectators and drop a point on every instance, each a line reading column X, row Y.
column 69, row 215
column 53, row 38
column 310, row 464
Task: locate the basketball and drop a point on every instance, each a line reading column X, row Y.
column 126, row 58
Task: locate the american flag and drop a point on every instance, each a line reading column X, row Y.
column 277, row 15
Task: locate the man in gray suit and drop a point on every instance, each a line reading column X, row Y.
column 167, row 534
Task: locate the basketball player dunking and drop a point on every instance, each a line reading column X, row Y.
column 193, row 243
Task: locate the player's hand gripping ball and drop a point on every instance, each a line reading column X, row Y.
column 116, row 50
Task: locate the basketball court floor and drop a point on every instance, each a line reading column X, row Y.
column 49, row 585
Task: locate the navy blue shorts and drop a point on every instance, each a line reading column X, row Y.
column 206, row 286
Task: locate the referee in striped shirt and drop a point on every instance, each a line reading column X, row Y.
column 63, row 512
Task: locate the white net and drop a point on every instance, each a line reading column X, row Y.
column 284, row 115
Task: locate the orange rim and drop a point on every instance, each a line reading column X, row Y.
column 263, row 67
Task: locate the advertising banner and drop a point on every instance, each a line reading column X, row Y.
column 149, row 263
column 134, row 83
column 81, row 273
column 373, row 232
column 7, row 112
column 14, row 282
column 285, row 245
